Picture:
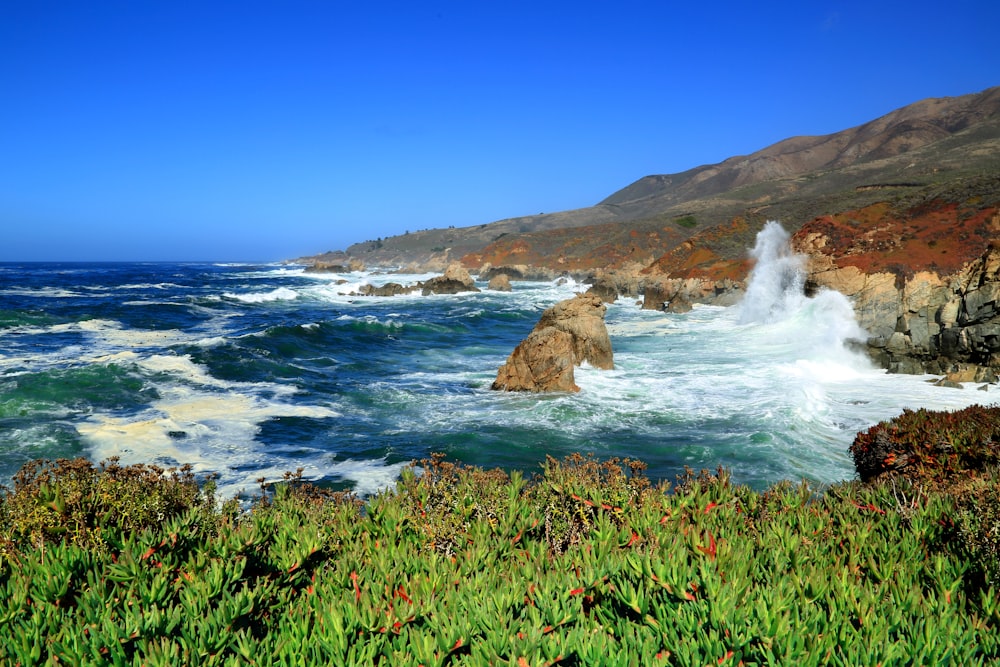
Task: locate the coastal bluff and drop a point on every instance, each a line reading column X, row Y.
column 900, row 214
column 568, row 334
column 921, row 317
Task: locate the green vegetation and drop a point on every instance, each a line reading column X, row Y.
column 686, row 221
column 586, row 563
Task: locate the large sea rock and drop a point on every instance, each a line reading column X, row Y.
column 500, row 283
column 455, row 279
column 567, row 334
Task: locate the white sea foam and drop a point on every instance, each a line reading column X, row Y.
column 41, row 292
column 277, row 294
column 774, row 289
column 198, row 419
column 210, row 341
column 776, row 394
column 773, row 387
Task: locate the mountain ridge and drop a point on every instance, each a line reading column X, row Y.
column 923, row 145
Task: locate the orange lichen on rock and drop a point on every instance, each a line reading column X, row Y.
column 698, row 258
column 941, row 237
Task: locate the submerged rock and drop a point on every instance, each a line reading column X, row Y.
column 569, row 333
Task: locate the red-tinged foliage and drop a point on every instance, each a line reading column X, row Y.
column 710, row 550
column 357, row 589
column 929, row 446
column 870, row 507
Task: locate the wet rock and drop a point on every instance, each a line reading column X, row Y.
column 679, row 304
column 926, row 322
column 389, row 289
column 583, row 318
column 541, row 362
column 456, row 279
column 567, row 334
column 500, row 283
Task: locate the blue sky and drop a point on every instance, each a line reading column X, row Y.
column 147, row 130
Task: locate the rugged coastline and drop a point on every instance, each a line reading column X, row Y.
column 900, row 214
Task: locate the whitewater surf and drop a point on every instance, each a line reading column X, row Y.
column 248, row 371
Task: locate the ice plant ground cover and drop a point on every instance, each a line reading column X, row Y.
column 584, row 563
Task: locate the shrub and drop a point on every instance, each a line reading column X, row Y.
column 71, row 500
column 572, row 493
column 929, row 446
column 585, row 563
column 979, row 527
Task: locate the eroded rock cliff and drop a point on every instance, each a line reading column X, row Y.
column 925, row 285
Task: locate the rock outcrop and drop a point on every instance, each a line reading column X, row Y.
column 567, row 334
column 541, row 362
column 455, row 279
column 676, row 295
column 500, row 283
column 611, row 284
column 921, row 317
column 350, row 264
column 583, row 318
column 389, row 289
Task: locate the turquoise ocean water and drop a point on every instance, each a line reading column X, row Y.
column 252, row 370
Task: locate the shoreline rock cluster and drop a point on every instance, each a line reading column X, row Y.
column 456, row 279
column 927, row 322
column 929, row 298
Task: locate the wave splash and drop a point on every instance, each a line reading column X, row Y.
column 775, row 288
column 776, row 297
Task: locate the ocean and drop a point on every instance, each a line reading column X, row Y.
column 250, row 370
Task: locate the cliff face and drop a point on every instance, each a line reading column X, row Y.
column 924, row 282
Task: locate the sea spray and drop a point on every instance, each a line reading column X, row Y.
column 776, row 294
column 776, row 283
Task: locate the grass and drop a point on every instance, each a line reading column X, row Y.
column 587, row 562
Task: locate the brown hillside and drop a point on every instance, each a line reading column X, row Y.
column 904, row 158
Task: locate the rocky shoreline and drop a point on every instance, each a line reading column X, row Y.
column 918, row 322
column 900, row 214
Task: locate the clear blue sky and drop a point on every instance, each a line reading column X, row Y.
column 148, row 130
